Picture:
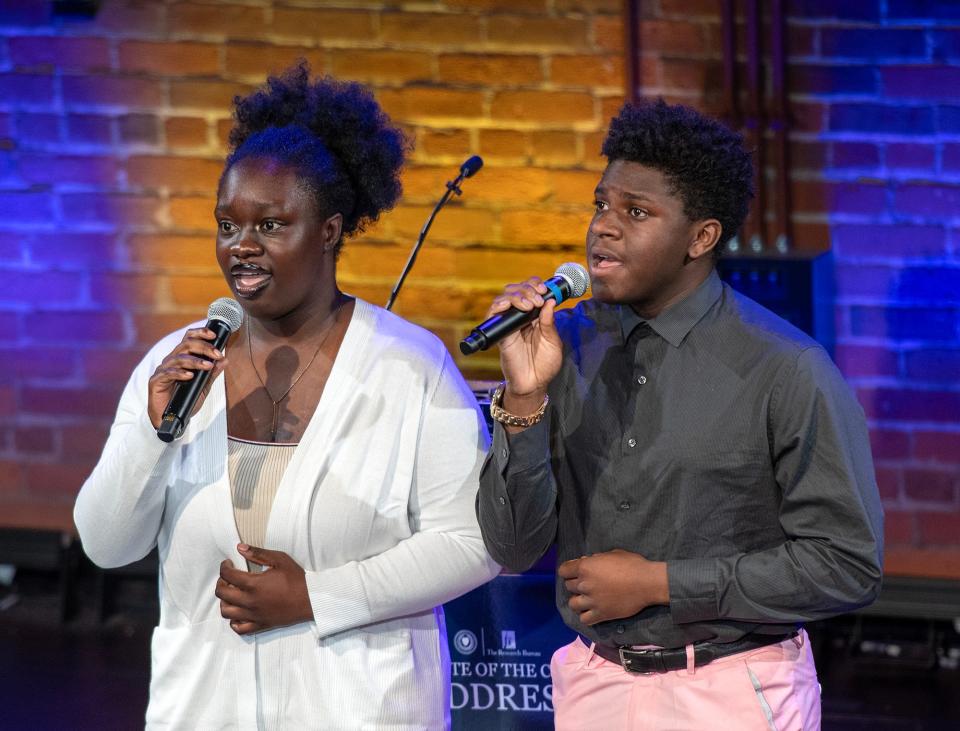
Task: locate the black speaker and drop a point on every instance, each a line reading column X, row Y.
column 797, row 286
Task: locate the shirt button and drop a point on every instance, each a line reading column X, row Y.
column 632, row 442
column 642, row 380
column 503, row 500
column 621, row 629
column 625, row 505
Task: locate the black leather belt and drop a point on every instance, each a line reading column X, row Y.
column 662, row 661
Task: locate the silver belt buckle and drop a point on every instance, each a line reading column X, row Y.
column 626, row 662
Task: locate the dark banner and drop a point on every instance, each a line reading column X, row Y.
column 502, row 637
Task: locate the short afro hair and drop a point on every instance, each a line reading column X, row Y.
column 342, row 144
column 703, row 161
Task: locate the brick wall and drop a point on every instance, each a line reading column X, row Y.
column 111, row 140
column 112, row 134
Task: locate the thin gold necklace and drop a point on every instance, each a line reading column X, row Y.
column 276, row 402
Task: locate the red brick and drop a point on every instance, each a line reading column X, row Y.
column 176, row 58
column 543, row 106
column 859, row 361
column 192, row 212
column 30, row 207
column 808, row 116
column 30, row 362
column 112, row 208
column 62, row 52
column 416, row 103
column 690, row 8
column 539, row 227
column 261, row 59
column 942, row 447
column 197, row 291
column 92, row 400
column 486, row 6
column 889, row 240
column 490, row 69
column 938, row 528
column 177, row 173
column 8, row 400
column 439, row 142
column 503, row 142
column 11, row 483
column 10, row 326
column 27, row 88
column 933, row 366
column 910, row 404
column 574, row 187
column 808, row 155
column 37, row 129
column 382, row 65
column 667, row 37
column 83, row 442
column 434, row 29
column 518, row 31
column 68, row 169
column 173, row 251
column 186, row 132
column 215, row 95
column 588, row 70
column 457, row 224
column 34, row 440
column 930, row 201
column 150, row 328
column 323, row 24
column 57, row 479
column 557, row 147
column 71, row 249
column 111, row 364
column 223, row 21
column 53, row 288
column 899, row 527
column 131, row 17
column 112, row 91
column 936, row 486
column 89, row 129
column 83, row 327
column 500, row 185
column 608, row 33
column 861, row 280
column 124, row 288
column 589, row 6
column 855, row 155
column 889, row 444
column 889, row 484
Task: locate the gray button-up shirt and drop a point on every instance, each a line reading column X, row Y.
column 716, row 437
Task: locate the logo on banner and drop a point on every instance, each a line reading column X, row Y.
column 508, row 639
column 465, row 642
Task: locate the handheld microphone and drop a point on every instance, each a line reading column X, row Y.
column 223, row 317
column 570, row 280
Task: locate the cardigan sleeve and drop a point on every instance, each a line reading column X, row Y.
column 444, row 557
column 119, row 508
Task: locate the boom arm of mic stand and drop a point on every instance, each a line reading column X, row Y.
column 452, row 187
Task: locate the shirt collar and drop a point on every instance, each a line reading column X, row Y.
column 676, row 321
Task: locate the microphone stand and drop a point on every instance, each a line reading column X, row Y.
column 453, row 186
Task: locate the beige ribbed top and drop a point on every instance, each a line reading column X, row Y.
column 256, row 469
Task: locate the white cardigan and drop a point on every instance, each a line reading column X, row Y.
column 377, row 505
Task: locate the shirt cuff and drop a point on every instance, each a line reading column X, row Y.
column 338, row 599
column 144, row 448
column 693, row 590
column 521, row 451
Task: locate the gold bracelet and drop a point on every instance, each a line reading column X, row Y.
column 505, row 417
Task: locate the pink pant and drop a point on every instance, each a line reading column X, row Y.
column 773, row 687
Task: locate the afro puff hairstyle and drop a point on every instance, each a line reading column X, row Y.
column 703, row 161
column 344, row 147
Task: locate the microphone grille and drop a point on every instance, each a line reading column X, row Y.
column 226, row 310
column 471, row 166
column 576, row 275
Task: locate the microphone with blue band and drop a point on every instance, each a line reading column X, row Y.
column 570, row 280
